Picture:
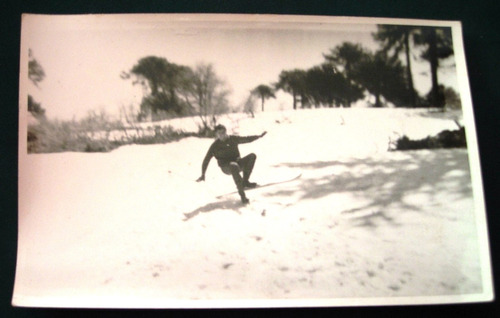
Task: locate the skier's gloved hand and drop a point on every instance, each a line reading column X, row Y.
column 202, row 178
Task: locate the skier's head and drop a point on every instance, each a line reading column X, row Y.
column 220, row 132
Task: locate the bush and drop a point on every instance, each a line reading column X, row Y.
column 445, row 139
column 97, row 133
column 452, row 98
column 157, row 135
column 206, row 132
column 59, row 136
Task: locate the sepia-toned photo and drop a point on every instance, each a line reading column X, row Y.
column 236, row 161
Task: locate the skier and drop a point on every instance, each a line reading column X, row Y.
column 225, row 150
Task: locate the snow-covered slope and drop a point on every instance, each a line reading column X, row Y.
column 132, row 228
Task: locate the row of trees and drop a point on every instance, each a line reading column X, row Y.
column 350, row 70
column 348, row 73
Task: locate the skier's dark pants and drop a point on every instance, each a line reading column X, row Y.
column 244, row 164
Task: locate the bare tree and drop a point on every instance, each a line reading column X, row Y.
column 249, row 105
column 207, row 94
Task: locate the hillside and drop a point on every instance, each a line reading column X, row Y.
column 131, row 228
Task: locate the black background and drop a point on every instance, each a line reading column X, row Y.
column 481, row 27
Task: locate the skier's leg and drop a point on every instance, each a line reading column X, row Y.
column 247, row 163
column 234, row 169
column 235, row 172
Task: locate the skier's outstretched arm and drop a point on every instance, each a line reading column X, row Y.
column 247, row 139
column 204, row 165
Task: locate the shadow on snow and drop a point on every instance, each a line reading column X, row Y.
column 385, row 183
column 228, row 204
column 382, row 183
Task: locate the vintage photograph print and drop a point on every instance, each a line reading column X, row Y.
column 236, row 161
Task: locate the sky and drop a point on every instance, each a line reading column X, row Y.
column 83, row 56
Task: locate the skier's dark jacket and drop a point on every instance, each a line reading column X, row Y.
column 225, row 151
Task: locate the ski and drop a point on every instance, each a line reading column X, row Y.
column 259, row 186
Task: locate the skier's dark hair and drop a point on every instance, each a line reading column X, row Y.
column 220, row 127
